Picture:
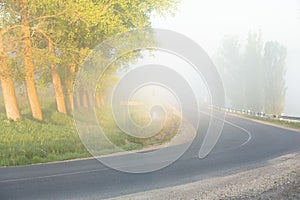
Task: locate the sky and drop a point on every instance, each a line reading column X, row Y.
column 208, row 21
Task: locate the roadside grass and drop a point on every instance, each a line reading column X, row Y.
column 284, row 123
column 28, row 141
column 128, row 142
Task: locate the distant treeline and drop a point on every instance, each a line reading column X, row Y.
column 254, row 74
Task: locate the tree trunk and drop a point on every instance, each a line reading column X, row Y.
column 28, row 64
column 97, row 101
column 69, row 88
column 84, row 99
column 70, row 101
column 77, row 100
column 8, row 91
column 10, row 100
column 91, row 99
column 59, row 95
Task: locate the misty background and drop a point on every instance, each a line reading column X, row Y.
column 273, row 26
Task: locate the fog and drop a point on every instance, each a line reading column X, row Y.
column 208, row 22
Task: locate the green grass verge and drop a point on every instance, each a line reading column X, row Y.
column 284, row 123
column 127, row 142
column 29, row 141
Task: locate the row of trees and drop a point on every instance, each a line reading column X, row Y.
column 50, row 38
column 254, row 76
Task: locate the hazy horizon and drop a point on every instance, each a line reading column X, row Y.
column 208, row 22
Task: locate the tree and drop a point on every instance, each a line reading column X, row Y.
column 99, row 20
column 273, row 72
column 66, row 31
column 28, row 61
column 6, row 80
column 252, row 72
column 9, row 95
column 19, row 18
column 57, row 84
column 255, row 79
column 45, row 25
column 229, row 64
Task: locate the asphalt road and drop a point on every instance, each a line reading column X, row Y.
column 243, row 143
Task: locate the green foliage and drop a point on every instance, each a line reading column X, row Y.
column 252, row 72
column 274, row 72
column 229, row 63
column 63, row 32
column 254, row 78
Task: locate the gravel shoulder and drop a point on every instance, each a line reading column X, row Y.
column 279, row 179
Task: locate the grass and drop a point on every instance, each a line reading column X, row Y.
column 28, row 141
column 127, row 142
column 284, row 123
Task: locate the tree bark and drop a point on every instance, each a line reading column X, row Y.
column 28, row 64
column 91, row 99
column 84, row 99
column 78, row 100
column 56, row 81
column 8, row 91
column 69, row 87
column 97, row 101
column 70, row 101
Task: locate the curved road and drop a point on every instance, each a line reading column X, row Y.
column 243, row 143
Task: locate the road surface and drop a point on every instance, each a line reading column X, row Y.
column 243, row 143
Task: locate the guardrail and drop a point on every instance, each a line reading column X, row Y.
column 261, row 114
column 289, row 118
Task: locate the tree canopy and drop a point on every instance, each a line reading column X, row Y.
column 254, row 76
column 45, row 41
